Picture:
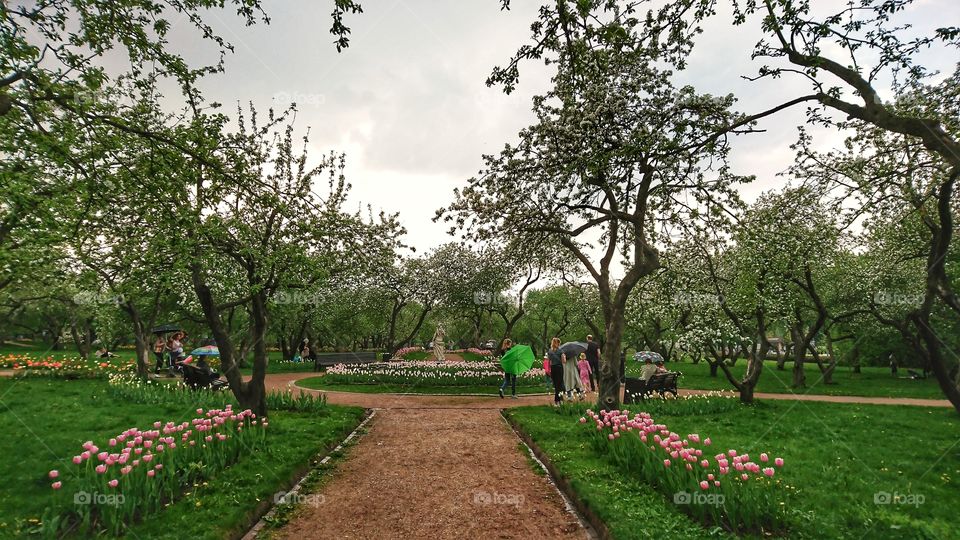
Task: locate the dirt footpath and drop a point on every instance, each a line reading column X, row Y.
column 436, row 473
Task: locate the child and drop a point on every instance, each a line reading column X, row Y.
column 585, row 370
column 546, row 370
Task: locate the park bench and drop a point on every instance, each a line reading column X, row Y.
column 332, row 359
column 636, row 390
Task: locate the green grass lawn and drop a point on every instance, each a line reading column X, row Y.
column 872, row 382
column 839, row 457
column 319, row 383
column 46, row 421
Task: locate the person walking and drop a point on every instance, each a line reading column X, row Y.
column 583, row 366
column 593, row 358
column 175, row 346
column 557, row 360
column 508, row 378
column 571, row 380
column 159, row 347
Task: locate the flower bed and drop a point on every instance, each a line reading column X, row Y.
column 727, row 488
column 130, row 387
column 483, row 373
column 71, row 368
column 402, row 353
column 138, row 471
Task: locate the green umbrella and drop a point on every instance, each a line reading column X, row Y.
column 517, row 360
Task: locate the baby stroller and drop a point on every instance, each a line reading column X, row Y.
column 198, row 375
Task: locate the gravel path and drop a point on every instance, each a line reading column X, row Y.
column 431, row 473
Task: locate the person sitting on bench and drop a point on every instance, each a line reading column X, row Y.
column 648, row 370
column 658, row 363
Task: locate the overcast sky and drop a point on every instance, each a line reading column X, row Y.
column 407, row 101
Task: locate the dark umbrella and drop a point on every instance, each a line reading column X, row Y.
column 643, row 355
column 573, row 349
column 166, row 329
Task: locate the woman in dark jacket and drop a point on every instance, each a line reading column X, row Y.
column 557, row 361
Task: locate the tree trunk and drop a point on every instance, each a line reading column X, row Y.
column 799, row 355
column 781, row 359
column 250, row 394
column 610, row 361
column 714, row 367
column 935, row 360
column 855, row 359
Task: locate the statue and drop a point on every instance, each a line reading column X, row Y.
column 438, row 346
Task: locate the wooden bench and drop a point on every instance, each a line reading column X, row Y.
column 332, row 359
column 636, row 390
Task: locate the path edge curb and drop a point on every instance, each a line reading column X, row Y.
column 251, row 533
column 561, row 483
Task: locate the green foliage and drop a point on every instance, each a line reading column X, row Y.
column 837, row 472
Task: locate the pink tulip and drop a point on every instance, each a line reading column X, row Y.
column 709, row 477
column 77, row 460
column 150, row 473
column 707, row 441
column 764, row 458
column 744, row 476
column 689, row 467
column 666, row 463
column 704, row 464
column 716, row 483
column 583, row 420
column 610, row 436
column 56, row 485
column 731, row 453
column 53, row 474
column 778, row 462
column 113, row 442
column 113, row 483
column 768, row 471
column 704, row 485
